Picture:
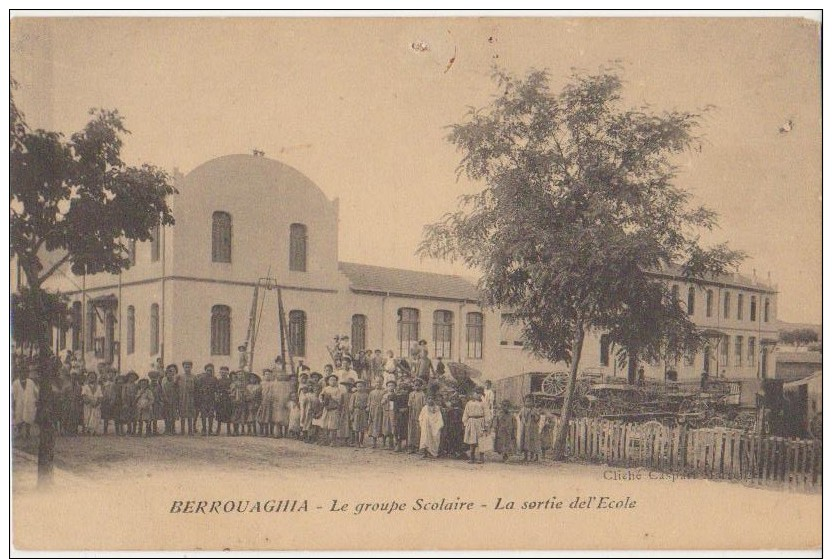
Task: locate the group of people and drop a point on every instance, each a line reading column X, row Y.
column 383, row 405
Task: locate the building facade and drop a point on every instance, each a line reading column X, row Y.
column 188, row 294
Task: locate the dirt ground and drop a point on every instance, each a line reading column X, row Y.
column 118, row 493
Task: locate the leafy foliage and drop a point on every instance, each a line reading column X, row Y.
column 77, row 198
column 799, row 337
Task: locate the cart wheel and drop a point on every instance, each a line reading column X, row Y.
column 816, row 427
column 715, row 422
column 652, row 424
column 554, row 384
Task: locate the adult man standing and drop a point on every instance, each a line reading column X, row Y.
column 24, row 397
column 206, row 395
column 187, row 401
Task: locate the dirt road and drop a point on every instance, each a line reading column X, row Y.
column 132, row 493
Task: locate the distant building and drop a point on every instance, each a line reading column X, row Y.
column 239, row 218
column 795, row 365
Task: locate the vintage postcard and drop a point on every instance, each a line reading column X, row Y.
column 415, row 283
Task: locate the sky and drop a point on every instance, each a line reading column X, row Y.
column 361, row 106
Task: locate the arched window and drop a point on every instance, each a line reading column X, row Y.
column 154, row 329
column 691, row 300
column 155, row 243
column 443, row 333
column 674, row 292
column 739, row 306
column 297, row 333
column 753, row 310
column 131, row 329
column 765, row 310
column 220, row 330
column 359, row 333
column 131, row 251
column 408, row 329
column 605, row 350
column 726, row 305
column 297, row 247
column 709, row 303
column 77, row 326
column 474, row 327
column 221, row 238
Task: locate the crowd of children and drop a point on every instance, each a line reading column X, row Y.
column 404, row 405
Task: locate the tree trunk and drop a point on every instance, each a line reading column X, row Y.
column 559, row 447
column 632, row 367
column 46, row 405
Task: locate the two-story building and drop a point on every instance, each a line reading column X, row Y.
column 189, row 292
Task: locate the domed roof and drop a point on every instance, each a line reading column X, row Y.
column 241, row 171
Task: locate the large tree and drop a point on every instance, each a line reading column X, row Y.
column 578, row 211
column 78, row 202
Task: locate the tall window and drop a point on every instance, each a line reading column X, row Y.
column 220, row 330
column 723, row 351
column 297, row 333
column 474, row 328
column 739, row 306
column 77, row 326
column 443, row 333
column 726, row 305
column 706, row 359
column 509, row 331
column 765, row 311
column 62, row 328
column 408, row 330
column 131, row 251
column 221, row 238
column 674, row 292
column 691, row 300
column 155, row 243
column 154, row 329
column 752, row 351
column 605, row 350
column 753, row 310
column 359, row 332
column 131, row 329
column 92, row 323
column 738, row 347
column 709, row 303
column 297, row 247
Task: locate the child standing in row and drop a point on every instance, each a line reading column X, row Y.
column 359, row 409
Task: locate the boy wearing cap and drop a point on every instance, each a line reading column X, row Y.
column 505, row 431
column 144, row 407
column 187, row 401
column 389, row 417
column 223, row 406
column 128, row 402
column 415, row 403
column 205, row 388
column 170, row 399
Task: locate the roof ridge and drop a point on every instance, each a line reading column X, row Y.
column 404, row 270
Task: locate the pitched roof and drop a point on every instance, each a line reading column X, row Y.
column 732, row 280
column 799, row 357
column 396, row 281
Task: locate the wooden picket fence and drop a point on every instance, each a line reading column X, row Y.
column 699, row 453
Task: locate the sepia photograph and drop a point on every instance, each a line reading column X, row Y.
column 416, row 281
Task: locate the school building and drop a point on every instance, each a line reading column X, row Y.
column 188, row 294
